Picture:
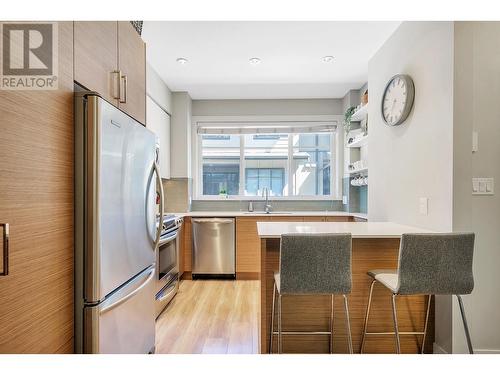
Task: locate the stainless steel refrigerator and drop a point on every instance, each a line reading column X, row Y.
column 116, row 229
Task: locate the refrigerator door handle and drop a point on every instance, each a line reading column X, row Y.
column 160, row 189
column 114, row 304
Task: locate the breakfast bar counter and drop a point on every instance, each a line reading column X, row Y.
column 375, row 245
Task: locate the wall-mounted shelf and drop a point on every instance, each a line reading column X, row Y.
column 358, row 142
column 359, row 171
column 360, row 114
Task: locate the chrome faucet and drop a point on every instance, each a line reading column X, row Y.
column 267, row 207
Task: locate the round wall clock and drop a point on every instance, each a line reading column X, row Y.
column 397, row 100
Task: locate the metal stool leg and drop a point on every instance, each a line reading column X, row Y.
column 426, row 323
column 331, row 327
column 366, row 316
column 272, row 321
column 395, row 318
column 280, row 338
column 348, row 323
column 466, row 327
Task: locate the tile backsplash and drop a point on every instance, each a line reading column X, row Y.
column 258, row 205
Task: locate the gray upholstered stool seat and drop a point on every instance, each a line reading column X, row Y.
column 428, row 264
column 312, row 264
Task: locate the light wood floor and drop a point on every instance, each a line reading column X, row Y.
column 211, row 316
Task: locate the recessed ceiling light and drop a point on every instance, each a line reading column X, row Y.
column 327, row 59
column 254, row 61
column 182, row 60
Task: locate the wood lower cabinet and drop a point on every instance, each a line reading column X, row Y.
column 132, row 64
column 188, row 247
column 96, row 57
column 248, row 247
column 338, row 218
column 36, row 199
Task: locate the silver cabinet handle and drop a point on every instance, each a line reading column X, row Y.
column 160, row 188
column 125, row 84
column 117, row 74
column 214, row 220
column 5, row 233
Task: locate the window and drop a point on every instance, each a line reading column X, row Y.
column 256, row 179
column 221, row 165
column 290, row 164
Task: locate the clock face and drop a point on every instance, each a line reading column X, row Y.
column 398, row 99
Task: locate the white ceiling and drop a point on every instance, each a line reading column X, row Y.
column 291, row 54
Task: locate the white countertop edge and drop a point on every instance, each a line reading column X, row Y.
column 261, row 214
column 358, row 230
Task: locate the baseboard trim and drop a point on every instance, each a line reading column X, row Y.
column 439, row 350
column 187, row 275
column 436, row 349
column 247, row 275
column 486, row 351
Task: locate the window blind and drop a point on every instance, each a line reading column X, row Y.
column 281, row 127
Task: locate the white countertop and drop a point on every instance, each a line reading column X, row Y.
column 358, row 230
column 261, row 213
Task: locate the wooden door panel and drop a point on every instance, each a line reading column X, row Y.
column 96, row 57
column 132, row 64
column 36, row 184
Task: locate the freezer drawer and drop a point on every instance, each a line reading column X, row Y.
column 213, row 246
column 124, row 323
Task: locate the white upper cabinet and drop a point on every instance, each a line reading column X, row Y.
column 158, row 121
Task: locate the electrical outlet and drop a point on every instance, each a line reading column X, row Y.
column 344, row 199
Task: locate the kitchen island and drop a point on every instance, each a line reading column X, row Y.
column 375, row 245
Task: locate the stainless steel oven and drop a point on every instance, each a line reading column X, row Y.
column 167, row 262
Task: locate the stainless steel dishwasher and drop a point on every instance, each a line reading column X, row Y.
column 214, row 252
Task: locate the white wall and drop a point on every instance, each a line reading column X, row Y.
column 257, row 107
column 157, row 90
column 180, row 135
column 415, row 159
column 476, row 95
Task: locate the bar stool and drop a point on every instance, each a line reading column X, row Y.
column 428, row 264
column 312, row 264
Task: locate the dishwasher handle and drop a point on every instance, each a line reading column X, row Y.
column 213, row 220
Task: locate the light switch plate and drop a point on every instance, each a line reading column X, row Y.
column 483, row 186
column 424, row 206
column 344, row 199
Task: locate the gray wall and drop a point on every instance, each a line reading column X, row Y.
column 180, row 135
column 476, row 95
column 415, row 159
column 258, row 107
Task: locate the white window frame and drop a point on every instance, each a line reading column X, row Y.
column 337, row 145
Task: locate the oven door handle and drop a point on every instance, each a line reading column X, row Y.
column 164, row 240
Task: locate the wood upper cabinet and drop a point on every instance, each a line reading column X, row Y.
column 96, row 57
column 36, row 183
column 110, row 58
column 132, row 65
